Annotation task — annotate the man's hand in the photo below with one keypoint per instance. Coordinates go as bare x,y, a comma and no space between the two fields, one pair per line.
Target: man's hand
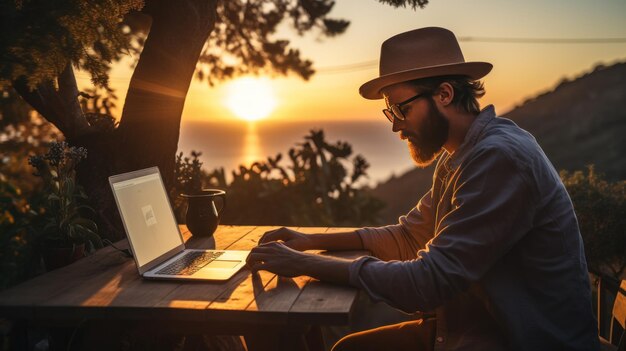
279,252
291,238
277,258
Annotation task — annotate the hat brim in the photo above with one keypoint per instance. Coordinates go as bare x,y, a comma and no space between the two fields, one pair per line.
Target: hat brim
475,70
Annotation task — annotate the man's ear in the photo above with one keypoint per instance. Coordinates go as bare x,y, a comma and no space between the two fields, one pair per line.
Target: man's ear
444,94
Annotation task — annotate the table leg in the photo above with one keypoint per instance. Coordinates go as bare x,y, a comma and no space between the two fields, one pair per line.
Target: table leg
307,339
314,339
17,335
275,341
61,338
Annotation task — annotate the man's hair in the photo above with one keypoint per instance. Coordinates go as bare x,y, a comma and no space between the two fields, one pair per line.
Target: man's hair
467,91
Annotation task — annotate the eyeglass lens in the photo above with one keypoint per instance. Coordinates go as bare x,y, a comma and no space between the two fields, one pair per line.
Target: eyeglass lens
395,111
388,114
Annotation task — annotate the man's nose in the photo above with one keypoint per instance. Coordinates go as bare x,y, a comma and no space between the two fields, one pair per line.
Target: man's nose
395,126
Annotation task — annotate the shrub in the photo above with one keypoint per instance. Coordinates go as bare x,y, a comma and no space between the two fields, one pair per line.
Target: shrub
601,210
188,179
65,222
15,236
316,189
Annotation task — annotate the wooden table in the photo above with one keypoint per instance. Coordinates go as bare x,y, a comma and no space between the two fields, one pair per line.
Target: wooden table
271,312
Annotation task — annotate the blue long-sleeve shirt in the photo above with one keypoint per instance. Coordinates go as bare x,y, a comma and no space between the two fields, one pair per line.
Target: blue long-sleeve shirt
493,248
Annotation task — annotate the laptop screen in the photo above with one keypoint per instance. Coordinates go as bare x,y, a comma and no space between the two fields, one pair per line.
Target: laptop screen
147,215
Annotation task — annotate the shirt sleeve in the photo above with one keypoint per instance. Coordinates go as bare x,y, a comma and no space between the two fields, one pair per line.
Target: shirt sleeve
492,209
402,241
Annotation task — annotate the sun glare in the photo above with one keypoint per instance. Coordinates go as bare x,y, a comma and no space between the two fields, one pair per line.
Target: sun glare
251,99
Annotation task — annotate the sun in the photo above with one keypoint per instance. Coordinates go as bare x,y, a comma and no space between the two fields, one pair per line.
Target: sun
251,99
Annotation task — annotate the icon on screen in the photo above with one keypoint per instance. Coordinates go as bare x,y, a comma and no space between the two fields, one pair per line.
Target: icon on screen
148,215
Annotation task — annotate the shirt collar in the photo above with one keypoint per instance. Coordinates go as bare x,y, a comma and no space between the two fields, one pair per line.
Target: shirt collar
475,131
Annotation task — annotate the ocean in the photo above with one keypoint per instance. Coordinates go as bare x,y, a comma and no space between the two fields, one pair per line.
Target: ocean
230,144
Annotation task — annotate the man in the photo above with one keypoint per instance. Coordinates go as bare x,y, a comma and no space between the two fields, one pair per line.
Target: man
493,248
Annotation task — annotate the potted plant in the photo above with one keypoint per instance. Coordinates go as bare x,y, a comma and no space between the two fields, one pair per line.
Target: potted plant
65,234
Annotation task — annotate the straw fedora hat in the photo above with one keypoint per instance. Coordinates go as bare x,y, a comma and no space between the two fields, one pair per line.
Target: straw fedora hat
421,53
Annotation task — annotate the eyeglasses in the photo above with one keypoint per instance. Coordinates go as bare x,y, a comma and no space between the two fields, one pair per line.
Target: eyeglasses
395,111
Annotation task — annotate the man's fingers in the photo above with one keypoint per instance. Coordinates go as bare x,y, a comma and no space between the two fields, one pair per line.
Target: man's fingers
274,235
255,257
256,266
267,236
268,247
265,257
256,261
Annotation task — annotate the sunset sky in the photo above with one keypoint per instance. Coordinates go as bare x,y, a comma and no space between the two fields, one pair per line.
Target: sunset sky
521,70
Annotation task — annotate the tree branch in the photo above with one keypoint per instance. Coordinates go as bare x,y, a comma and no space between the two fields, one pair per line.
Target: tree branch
38,99
68,98
59,107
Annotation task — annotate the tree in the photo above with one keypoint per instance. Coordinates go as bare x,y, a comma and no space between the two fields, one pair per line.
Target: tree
42,42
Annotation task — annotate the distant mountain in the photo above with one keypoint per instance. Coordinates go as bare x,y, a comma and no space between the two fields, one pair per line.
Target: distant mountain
580,122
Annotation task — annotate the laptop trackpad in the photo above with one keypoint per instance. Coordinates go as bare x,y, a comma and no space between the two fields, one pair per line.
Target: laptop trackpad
222,264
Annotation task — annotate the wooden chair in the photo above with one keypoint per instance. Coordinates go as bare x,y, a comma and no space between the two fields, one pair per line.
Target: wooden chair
607,289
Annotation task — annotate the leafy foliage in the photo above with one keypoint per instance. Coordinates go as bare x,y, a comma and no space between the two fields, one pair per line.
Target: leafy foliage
15,236
64,222
22,197
315,189
40,38
23,132
13,110
188,173
600,207
403,3
188,179
97,105
242,42
51,34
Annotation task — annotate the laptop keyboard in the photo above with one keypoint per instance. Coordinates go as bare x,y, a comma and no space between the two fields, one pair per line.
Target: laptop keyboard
189,263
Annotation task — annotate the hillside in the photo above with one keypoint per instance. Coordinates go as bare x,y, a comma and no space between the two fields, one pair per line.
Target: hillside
580,122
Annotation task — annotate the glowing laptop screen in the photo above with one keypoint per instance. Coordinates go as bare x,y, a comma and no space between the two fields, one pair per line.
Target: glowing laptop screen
148,217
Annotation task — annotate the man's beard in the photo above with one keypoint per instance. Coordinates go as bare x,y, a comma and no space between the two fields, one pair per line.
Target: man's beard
433,133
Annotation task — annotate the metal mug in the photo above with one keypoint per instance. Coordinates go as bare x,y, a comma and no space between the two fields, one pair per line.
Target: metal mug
203,215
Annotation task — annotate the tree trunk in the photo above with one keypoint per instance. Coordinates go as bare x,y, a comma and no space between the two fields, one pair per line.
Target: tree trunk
150,125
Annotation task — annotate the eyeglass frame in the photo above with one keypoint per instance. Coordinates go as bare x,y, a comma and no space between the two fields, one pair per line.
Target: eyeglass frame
398,114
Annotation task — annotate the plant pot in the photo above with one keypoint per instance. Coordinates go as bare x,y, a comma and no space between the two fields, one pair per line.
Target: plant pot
57,257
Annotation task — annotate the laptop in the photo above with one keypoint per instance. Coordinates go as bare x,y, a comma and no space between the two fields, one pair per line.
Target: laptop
155,239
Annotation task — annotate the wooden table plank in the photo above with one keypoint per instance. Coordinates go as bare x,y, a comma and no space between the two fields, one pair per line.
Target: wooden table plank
122,295
189,300
251,239
122,287
106,285
281,292
295,296
230,304
100,285
242,304
322,303
224,237
24,298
